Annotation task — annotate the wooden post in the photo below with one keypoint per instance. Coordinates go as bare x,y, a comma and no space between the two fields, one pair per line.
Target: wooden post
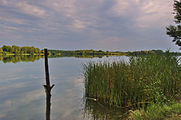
47,87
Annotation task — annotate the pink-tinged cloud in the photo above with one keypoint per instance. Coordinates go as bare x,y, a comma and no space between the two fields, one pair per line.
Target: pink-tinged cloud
10,28
30,9
155,13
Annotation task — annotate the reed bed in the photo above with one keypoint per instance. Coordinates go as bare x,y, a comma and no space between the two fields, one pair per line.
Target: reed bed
140,81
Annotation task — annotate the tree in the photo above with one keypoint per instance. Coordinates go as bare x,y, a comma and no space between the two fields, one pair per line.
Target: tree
1,50
15,49
7,48
172,30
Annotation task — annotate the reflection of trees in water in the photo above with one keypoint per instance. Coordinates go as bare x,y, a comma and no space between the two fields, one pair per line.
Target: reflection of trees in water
20,58
32,58
99,111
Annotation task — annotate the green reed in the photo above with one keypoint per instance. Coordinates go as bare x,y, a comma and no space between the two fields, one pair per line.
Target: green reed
142,80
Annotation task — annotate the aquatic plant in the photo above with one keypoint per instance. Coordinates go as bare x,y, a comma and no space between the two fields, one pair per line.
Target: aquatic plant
142,80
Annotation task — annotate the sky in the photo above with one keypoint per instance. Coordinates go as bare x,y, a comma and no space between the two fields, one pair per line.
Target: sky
124,25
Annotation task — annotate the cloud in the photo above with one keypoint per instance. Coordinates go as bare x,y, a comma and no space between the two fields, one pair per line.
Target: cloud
120,7
24,7
31,9
4,2
10,19
143,14
14,86
154,13
31,96
79,24
10,28
70,21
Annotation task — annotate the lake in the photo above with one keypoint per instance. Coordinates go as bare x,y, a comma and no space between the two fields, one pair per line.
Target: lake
22,95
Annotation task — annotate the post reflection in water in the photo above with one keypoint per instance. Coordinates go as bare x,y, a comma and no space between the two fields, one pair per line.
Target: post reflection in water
47,87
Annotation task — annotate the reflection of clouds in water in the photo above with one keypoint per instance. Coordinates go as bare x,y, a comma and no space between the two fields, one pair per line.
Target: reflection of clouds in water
66,105
22,90
7,107
16,77
31,96
79,82
20,102
66,108
13,77
2,115
10,74
76,81
12,86
25,98
11,70
8,103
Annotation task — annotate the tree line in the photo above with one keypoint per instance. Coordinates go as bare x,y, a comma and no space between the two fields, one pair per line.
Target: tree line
84,53
26,50
16,50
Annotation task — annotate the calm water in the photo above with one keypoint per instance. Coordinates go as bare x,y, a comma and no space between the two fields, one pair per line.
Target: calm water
22,96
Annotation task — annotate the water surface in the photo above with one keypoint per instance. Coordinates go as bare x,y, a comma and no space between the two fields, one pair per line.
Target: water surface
22,96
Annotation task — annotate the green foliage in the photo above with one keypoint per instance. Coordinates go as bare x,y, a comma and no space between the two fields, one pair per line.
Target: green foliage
1,50
7,48
175,31
145,79
16,50
100,53
84,53
135,53
157,112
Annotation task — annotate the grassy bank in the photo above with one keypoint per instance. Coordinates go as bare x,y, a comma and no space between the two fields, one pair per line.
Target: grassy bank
151,79
157,112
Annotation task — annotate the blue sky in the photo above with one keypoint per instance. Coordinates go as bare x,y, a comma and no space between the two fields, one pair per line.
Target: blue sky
124,25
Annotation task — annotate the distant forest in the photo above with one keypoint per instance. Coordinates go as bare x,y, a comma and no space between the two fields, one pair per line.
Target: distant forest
26,50
16,50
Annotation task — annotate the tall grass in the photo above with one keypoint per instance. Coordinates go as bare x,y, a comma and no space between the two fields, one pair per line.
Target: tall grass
142,80
157,112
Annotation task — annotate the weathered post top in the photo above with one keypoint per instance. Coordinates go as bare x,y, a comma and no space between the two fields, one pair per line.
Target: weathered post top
45,51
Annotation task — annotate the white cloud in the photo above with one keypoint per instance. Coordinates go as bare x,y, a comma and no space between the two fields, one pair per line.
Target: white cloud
79,24
136,1
120,7
77,14
4,2
18,85
31,9
10,28
11,19
154,13
24,7
31,96
144,14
